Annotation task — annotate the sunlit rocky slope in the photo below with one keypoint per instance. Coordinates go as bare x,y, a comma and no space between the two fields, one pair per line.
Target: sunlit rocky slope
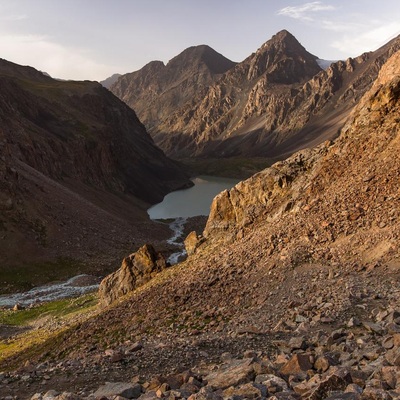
297,272
276,101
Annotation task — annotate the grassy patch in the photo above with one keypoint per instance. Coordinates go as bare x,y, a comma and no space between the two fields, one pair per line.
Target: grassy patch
24,277
241,168
42,337
57,308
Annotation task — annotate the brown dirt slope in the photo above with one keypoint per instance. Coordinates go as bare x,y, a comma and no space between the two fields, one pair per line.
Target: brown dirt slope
302,246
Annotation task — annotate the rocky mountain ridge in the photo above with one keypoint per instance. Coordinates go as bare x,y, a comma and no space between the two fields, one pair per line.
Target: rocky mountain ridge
292,293
75,162
108,82
272,104
156,90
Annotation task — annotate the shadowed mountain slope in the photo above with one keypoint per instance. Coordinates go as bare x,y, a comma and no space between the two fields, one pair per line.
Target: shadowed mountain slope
73,158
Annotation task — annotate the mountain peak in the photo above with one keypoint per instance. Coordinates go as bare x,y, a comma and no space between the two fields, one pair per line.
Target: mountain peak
284,59
285,40
202,54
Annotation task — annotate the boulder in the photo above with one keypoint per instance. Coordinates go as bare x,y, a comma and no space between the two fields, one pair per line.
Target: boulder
192,241
128,390
336,379
136,270
297,364
232,374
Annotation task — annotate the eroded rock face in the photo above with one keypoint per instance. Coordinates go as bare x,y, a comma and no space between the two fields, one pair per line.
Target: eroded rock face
136,270
270,192
192,241
323,190
273,103
157,90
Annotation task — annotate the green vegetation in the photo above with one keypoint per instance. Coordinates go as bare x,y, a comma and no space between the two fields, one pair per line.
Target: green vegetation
241,168
24,277
42,327
57,308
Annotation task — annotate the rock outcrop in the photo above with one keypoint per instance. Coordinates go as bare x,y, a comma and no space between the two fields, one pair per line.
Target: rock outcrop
191,242
274,103
330,191
136,270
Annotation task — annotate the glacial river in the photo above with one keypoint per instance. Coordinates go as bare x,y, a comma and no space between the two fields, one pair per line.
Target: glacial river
177,206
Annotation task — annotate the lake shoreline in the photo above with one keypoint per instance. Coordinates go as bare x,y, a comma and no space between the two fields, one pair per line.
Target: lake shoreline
192,201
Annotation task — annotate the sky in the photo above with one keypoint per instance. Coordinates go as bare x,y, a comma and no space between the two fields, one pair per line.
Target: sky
93,39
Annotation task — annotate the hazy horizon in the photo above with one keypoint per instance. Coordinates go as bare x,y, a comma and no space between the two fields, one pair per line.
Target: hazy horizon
93,40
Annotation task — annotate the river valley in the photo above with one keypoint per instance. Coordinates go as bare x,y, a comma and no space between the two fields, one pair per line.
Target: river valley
177,207
192,202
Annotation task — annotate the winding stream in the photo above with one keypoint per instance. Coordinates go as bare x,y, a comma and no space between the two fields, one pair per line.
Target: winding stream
186,203
176,239
73,287
177,205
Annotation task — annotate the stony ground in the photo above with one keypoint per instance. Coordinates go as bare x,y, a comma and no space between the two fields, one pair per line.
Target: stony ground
292,294
340,339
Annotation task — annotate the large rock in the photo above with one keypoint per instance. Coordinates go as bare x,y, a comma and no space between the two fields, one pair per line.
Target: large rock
232,374
136,270
127,390
297,364
192,241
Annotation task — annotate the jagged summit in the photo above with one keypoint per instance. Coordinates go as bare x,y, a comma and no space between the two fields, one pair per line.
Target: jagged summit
201,54
277,101
157,90
284,59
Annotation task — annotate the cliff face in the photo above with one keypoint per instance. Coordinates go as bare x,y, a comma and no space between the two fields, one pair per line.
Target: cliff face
72,157
157,90
275,102
318,200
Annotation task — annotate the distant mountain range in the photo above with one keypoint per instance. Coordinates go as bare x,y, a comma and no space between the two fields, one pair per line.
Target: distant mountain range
273,103
107,83
156,91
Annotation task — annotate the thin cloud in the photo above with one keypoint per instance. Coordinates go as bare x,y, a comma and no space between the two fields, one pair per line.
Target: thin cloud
20,17
305,11
59,61
354,45
340,27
